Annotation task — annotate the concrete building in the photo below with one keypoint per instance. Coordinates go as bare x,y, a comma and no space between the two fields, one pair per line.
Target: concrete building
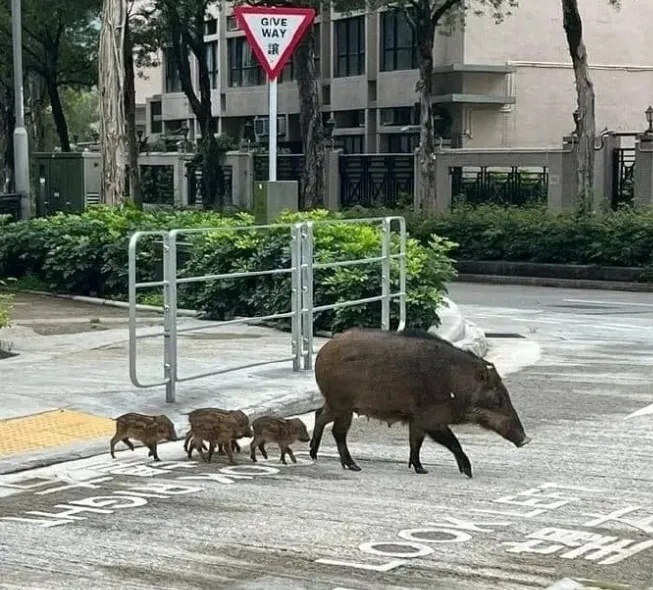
496,85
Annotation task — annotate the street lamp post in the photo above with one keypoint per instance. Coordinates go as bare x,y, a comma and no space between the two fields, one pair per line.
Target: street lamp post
21,145
649,119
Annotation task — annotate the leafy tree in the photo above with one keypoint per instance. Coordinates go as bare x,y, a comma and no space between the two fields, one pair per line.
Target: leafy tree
586,121
137,21
426,17
60,46
81,113
177,26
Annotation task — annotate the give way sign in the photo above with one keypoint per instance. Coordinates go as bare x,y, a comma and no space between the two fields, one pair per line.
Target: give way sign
273,33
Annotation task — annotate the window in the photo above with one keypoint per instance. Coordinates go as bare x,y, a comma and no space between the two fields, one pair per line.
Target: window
156,125
352,144
173,81
350,47
398,44
211,26
244,69
212,62
403,143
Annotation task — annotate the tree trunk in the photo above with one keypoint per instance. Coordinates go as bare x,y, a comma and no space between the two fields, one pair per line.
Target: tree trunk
427,194
586,126
112,105
8,127
58,115
310,120
182,44
130,116
35,94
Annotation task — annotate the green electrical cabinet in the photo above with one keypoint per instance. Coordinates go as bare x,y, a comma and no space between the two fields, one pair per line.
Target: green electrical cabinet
65,181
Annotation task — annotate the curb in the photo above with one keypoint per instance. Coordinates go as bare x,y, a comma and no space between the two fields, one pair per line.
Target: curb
283,407
108,302
557,283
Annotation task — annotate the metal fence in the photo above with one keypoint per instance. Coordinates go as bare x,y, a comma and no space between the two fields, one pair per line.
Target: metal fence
301,240
10,204
506,186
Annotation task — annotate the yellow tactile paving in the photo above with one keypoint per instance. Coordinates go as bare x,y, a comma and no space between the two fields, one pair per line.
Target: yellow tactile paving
51,429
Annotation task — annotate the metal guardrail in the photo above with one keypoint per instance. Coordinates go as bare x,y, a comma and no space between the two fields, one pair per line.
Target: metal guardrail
302,264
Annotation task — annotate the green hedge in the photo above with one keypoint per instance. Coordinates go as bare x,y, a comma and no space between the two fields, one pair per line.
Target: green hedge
532,234
87,254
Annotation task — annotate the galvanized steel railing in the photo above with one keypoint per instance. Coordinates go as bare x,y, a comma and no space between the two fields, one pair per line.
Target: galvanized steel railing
302,264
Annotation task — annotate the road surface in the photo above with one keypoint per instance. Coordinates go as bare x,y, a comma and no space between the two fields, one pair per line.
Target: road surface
576,503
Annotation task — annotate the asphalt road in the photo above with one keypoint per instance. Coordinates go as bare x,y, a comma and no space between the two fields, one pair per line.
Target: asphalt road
575,503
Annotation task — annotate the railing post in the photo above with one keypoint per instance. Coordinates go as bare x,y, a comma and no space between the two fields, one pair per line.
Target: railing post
385,274
172,269
296,296
169,320
307,293
131,289
402,273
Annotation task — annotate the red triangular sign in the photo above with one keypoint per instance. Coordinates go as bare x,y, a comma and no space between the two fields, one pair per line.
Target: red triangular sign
273,33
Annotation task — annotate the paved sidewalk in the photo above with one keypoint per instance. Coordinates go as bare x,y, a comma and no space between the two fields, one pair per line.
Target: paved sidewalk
75,377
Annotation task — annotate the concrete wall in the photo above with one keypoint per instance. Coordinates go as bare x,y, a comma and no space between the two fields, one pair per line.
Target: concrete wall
622,70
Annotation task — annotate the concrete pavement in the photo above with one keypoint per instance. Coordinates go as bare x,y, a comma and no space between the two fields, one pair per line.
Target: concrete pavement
572,509
72,370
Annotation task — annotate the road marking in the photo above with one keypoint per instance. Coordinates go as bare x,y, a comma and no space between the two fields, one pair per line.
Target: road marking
566,584
643,412
597,302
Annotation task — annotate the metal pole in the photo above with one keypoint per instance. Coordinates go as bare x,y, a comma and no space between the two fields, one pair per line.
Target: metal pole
172,301
402,274
307,293
272,130
295,252
168,329
385,275
21,144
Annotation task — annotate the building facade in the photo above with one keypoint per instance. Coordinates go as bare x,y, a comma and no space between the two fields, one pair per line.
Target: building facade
495,85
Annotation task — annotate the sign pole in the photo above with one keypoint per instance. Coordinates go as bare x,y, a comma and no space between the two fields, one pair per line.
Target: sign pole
272,130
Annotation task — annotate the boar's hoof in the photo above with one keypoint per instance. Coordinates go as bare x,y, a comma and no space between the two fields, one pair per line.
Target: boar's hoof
464,465
351,466
421,470
312,453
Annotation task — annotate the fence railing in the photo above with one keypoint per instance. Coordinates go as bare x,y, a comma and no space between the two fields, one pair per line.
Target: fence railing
10,204
301,241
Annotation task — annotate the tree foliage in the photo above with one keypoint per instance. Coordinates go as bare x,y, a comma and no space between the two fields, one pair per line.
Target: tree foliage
60,39
426,18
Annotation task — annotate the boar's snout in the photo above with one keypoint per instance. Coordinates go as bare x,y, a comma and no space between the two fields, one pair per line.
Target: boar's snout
524,441
248,432
304,437
172,436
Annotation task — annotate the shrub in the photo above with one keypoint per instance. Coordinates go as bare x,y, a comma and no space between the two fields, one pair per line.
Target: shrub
88,254
6,306
533,234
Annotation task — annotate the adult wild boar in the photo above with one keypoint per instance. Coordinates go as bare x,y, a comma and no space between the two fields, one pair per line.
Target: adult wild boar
411,377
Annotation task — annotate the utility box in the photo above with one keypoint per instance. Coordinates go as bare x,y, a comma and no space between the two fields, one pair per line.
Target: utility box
65,181
271,198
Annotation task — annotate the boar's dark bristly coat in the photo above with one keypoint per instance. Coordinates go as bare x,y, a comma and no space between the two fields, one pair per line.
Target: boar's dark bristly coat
415,378
281,431
150,430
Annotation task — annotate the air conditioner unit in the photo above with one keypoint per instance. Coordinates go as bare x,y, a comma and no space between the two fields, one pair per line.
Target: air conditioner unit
232,24
262,126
